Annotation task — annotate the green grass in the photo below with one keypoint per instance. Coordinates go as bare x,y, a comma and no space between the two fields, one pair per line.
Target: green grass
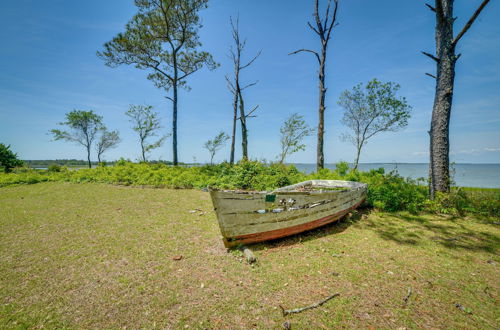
101,256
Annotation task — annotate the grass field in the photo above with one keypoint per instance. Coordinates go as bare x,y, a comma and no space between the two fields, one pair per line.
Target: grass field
102,256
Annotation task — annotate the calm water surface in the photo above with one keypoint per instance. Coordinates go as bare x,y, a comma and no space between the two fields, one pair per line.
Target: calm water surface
466,175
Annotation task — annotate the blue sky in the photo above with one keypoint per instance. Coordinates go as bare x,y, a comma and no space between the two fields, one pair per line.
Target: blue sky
49,66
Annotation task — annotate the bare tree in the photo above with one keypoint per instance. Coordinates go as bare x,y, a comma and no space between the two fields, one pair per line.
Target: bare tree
106,141
371,109
214,145
293,131
146,123
323,28
445,58
236,89
162,38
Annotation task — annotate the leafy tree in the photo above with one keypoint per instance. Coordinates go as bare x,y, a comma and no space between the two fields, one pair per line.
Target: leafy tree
214,145
146,123
107,140
323,28
371,109
293,131
83,126
445,59
8,159
163,39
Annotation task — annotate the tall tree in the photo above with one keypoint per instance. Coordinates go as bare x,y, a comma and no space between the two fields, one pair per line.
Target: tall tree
146,123
163,39
214,145
8,159
237,90
371,109
106,140
323,28
83,129
445,58
293,131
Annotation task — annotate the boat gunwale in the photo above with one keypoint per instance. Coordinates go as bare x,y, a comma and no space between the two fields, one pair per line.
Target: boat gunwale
289,190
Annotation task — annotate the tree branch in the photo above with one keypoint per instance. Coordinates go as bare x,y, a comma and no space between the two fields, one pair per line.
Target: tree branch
249,85
430,7
312,28
470,22
306,50
251,61
431,75
431,56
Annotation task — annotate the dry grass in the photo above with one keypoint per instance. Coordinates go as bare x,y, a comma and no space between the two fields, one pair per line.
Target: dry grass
100,256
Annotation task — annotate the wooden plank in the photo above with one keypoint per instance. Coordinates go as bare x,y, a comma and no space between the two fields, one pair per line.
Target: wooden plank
303,217
274,234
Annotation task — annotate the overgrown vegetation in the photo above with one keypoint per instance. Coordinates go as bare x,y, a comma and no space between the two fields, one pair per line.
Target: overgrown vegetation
386,191
96,256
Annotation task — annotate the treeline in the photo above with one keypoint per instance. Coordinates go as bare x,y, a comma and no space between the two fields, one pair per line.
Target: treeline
81,162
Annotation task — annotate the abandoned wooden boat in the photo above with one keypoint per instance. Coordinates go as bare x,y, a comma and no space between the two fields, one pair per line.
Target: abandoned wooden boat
247,217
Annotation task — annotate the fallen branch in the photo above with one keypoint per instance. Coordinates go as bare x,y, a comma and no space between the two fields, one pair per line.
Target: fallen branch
407,296
463,309
286,312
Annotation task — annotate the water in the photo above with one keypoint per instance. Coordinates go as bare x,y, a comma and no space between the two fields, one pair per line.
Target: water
466,175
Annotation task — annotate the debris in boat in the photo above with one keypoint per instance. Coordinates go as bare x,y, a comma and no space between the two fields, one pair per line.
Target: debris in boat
177,258
286,312
407,296
249,256
287,325
463,309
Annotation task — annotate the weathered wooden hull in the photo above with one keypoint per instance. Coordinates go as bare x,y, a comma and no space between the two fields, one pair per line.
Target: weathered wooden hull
251,217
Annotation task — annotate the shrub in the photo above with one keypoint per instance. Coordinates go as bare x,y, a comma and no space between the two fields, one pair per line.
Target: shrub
8,159
54,168
387,192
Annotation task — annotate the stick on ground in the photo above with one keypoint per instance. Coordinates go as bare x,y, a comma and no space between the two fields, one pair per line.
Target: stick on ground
301,309
407,296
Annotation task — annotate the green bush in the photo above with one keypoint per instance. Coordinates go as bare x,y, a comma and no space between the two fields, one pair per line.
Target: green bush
387,192
8,159
54,168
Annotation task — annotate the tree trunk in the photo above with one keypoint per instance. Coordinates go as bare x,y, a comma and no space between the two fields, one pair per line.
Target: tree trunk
88,157
320,160
244,131
174,120
143,151
233,135
445,78
357,157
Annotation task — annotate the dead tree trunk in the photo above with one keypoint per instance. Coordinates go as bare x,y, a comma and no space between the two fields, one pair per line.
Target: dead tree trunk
233,135
244,130
323,29
439,167
236,90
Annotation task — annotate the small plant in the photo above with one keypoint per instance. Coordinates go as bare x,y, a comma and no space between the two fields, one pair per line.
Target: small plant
216,144
342,168
54,168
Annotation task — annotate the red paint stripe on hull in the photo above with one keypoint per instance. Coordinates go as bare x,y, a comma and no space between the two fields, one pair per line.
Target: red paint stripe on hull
283,232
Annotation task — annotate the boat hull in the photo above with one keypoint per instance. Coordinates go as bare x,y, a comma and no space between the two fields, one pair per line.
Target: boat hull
252,217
